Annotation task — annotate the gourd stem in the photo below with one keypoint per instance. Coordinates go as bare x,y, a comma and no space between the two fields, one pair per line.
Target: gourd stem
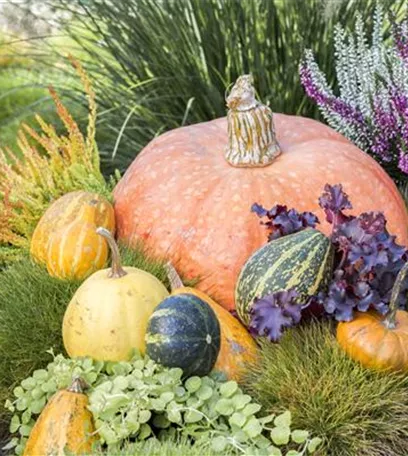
174,278
117,270
389,321
78,385
251,131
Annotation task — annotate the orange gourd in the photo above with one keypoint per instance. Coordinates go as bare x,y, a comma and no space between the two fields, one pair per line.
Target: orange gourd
64,426
238,349
65,239
188,194
379,342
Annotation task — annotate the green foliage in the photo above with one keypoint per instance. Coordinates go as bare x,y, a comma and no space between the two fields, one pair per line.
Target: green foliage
159,65
140,399
355,411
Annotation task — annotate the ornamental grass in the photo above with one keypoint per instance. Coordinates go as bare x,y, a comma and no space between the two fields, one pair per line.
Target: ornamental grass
355,411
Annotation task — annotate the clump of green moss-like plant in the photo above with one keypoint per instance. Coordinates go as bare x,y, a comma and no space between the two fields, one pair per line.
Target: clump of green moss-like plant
354,410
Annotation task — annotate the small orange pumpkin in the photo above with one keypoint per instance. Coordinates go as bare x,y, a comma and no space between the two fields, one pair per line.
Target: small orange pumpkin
379,342
65,239
238,348
64,424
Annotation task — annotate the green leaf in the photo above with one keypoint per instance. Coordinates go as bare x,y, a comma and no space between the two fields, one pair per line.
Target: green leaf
40,374
237,419
313,444
144,416
224,407
193,416
167,396
193,384
253,428
293,453
38,405
262,442
132,417
18,391
280,435
299,436
251,409
158,404
22,403
26,416
14,424
204,393
228,389
161,422
174,416
144,432
241,400
9,406
49,386
219,444
120,383
87,364
37,393
284,419
25,430
274,451
29,383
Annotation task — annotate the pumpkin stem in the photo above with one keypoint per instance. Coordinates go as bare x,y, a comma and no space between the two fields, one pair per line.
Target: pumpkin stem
174,278
251,131
78,385
389,321
117,270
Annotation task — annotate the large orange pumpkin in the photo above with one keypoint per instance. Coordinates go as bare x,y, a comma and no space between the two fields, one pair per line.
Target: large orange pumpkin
189,192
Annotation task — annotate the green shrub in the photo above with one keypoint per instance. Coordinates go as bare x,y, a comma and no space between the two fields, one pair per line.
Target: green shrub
355,411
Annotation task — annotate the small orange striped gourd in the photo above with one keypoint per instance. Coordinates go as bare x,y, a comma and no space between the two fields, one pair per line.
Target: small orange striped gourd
65,238
65,426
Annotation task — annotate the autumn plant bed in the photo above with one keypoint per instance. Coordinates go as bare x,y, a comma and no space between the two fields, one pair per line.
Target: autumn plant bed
241,289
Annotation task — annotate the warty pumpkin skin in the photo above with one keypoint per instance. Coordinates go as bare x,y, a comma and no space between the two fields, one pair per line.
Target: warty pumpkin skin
107,317
186,202
64,424
65,239
376,341
238,348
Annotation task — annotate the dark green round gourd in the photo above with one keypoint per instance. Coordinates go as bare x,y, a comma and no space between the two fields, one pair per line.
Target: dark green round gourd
302,261
184,332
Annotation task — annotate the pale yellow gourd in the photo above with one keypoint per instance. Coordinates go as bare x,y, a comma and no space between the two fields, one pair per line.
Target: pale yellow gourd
107,317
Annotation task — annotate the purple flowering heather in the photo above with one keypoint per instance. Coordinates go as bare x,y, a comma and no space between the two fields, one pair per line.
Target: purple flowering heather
371,108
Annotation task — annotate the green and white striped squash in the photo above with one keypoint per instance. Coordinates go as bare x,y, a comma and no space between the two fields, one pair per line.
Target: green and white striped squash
183,331
302,261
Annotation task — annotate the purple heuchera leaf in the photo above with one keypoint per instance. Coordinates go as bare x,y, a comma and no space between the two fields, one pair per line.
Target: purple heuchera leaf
333,201
272,313
283,221
370,259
